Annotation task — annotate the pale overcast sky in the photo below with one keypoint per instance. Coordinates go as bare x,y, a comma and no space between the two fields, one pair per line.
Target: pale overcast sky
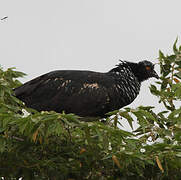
44,35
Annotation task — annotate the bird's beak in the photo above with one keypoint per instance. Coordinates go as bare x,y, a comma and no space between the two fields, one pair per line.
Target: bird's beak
154,74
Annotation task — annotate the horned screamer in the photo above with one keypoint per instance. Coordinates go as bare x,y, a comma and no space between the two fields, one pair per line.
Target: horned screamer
86,93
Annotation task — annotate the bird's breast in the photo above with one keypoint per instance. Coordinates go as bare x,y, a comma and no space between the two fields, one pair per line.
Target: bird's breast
123,92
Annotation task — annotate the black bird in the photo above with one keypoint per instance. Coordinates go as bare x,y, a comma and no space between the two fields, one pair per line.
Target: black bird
86,93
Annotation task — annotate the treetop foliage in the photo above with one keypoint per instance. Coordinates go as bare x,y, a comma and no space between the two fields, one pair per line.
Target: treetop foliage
50,145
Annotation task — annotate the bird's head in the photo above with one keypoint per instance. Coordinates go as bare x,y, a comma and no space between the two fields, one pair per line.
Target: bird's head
145,70
142,70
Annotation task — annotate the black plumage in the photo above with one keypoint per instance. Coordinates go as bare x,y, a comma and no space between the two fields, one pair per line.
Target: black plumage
86,93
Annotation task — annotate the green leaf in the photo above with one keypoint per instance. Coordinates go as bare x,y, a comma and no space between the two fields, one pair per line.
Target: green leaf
127,117
178,74
112,112
171,58
161,56
175,50
178,154
154,91
175,113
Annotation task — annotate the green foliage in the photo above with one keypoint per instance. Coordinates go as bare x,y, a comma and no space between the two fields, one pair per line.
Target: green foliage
50,145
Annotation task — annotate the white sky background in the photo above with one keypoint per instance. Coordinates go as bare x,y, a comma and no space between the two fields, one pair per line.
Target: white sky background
44,35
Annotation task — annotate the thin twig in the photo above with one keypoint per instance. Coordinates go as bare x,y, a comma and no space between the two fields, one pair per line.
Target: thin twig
17,138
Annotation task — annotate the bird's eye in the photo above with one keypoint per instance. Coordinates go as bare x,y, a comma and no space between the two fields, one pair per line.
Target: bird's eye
148,68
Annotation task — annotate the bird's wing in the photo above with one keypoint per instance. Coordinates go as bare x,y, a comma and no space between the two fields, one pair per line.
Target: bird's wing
59,80
77,92
28,87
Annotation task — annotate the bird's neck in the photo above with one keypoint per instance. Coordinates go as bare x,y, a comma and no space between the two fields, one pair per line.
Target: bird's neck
135,68
137,71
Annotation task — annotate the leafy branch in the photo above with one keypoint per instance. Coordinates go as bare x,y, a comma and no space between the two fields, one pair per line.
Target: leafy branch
50,145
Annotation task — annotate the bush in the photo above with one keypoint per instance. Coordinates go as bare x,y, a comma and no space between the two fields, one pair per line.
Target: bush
50,145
